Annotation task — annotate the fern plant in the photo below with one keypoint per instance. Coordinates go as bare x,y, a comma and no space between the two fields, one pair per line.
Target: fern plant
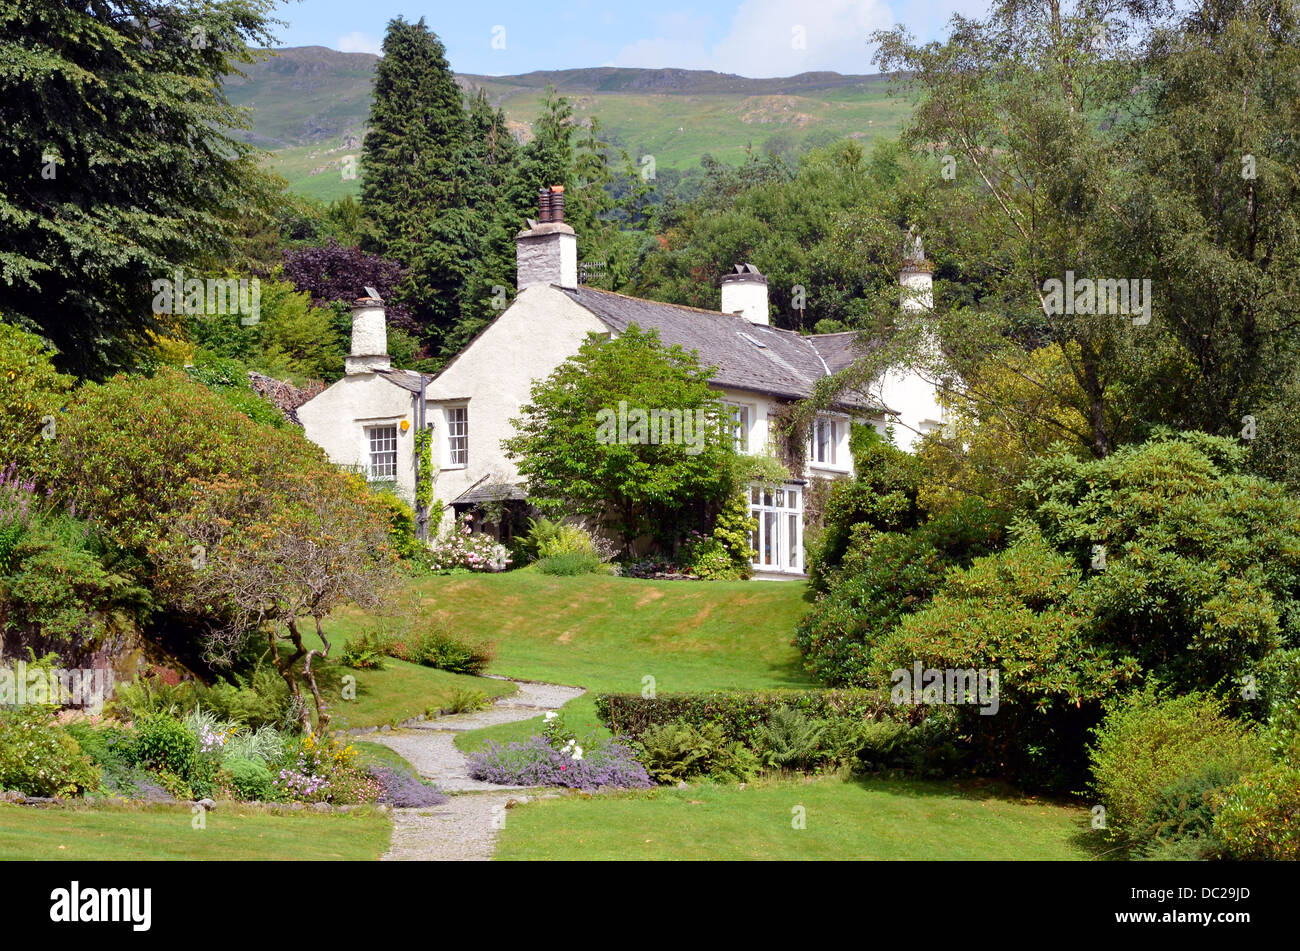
790,739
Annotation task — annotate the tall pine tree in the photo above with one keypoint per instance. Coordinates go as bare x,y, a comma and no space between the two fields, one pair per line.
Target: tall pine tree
412,165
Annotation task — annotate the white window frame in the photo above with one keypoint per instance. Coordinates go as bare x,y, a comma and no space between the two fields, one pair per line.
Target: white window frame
455,432
778,537
742,421
377,445
838,457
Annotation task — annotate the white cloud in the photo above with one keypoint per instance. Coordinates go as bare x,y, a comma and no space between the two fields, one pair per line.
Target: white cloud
358,43
784,37
679,42
769,38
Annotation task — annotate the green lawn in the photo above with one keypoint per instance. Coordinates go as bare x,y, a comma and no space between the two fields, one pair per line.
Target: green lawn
843,819
401,691
609,634
232,833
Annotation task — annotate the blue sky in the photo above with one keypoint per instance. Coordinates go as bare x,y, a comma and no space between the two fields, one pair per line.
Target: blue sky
749,37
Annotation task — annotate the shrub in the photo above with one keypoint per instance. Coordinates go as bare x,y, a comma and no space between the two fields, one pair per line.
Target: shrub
250,778
30,391
462,547
464,701
880,498
885,576
1185,810
740,714
58,595
320,769
111,749
401,524
537,763
732,532
1260,815
40,758
790,739
677,752
1202,561
568,565
437,647
367,651
257,699
567,540
1146,745
164,744
706,557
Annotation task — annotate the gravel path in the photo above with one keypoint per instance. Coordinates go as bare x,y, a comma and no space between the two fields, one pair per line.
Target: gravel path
466,827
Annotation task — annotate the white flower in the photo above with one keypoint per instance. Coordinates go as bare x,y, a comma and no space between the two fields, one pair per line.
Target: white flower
551,715
577,752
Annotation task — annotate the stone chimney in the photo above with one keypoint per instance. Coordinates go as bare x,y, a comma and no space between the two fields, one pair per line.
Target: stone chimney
369,337
917,292
744,293
547,252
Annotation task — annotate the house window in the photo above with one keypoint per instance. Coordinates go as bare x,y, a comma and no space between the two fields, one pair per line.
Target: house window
740,421
383,451
458,436
777,538
825,440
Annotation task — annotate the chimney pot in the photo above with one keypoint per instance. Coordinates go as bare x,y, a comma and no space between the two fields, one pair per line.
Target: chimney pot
547,251
744,293
369,338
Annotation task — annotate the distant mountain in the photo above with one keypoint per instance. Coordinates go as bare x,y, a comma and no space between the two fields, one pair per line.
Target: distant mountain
309,105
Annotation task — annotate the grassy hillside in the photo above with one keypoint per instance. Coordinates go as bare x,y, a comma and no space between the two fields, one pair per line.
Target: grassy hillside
309,106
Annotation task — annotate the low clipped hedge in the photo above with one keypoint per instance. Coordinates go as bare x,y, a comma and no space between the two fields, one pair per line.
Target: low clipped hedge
741,713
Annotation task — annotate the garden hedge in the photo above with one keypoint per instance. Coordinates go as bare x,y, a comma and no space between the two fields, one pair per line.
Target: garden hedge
741,713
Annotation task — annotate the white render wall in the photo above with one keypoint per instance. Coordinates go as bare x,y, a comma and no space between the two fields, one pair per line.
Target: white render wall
493,377
336,421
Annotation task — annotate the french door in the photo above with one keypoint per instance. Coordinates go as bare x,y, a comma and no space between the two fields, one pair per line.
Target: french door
777,539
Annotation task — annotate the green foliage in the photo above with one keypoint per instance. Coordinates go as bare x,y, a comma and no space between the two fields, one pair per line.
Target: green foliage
40,758
251,779
551,540
822,226
733,531
679,752
1184,810
1147,745
146,176
435,646
790,739
706,557
568,446
882,577
464,700
30,391
56,592
1257,817
880,498
163,743
401,523
366,651
1202,561
425,476
571,563
740,714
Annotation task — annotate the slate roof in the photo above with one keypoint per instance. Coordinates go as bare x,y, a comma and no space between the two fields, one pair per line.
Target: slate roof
406,379
748,356
491,492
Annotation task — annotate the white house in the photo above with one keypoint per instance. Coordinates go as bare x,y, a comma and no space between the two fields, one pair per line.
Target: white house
369,418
